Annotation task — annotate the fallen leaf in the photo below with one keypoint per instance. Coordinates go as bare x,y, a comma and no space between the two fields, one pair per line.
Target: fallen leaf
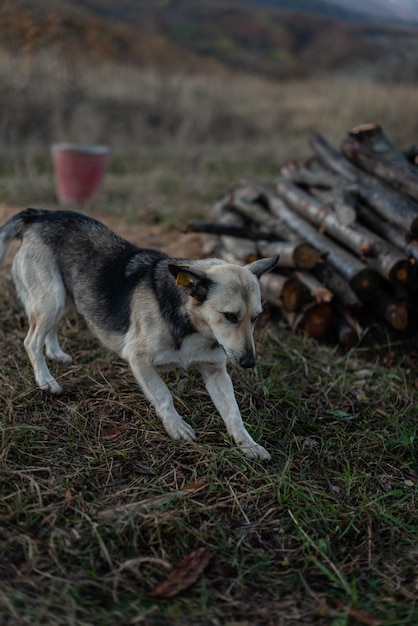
196,486
113,431
183,576
69,496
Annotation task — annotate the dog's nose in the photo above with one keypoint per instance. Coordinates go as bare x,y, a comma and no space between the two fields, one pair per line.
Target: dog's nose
247,361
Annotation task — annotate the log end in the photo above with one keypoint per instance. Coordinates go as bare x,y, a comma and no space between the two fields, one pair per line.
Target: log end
365,129
292,295
281,291
317,320
347,333
402,273
396,315
365,284
306,256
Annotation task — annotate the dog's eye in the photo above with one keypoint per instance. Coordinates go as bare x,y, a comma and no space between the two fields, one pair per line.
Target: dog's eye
231,317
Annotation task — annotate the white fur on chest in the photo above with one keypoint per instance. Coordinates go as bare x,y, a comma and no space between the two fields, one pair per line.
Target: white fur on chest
194,350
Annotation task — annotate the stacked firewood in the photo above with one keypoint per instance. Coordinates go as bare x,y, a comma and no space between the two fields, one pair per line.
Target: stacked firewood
345,224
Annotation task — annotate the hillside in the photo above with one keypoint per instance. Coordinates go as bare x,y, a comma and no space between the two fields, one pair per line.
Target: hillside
185,35
401,12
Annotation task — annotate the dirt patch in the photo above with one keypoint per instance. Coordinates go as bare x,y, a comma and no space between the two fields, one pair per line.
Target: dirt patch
169,240
145,235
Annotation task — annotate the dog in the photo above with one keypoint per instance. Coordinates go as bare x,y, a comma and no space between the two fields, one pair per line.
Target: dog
152,310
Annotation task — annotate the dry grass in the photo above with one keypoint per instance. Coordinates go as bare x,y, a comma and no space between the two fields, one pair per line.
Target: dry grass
98,504
48,97
177,142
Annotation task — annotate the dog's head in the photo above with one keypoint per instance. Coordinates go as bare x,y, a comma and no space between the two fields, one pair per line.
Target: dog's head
225,302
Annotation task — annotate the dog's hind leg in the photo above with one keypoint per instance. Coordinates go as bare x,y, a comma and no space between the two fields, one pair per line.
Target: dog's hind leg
39,328
220,388
43,295
157,392
53,349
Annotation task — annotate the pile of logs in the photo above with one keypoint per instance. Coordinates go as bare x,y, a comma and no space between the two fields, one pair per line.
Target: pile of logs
345,224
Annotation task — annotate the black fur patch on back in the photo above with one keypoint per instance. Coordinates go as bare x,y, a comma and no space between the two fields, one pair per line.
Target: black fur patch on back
100,271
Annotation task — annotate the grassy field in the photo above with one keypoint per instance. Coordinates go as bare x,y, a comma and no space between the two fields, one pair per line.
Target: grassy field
177,141
97,505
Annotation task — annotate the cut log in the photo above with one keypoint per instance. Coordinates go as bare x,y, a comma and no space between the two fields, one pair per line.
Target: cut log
396,208
230,230
256,213
342,201
316,289
299,255
332,188
315,320
281,291
398,176
324,217
372,137
394,267
393,312
241,247
250,191
363,280
390,262
297,224
346,328
244,250
386,230
331,158
383,257
338,286
307,176
303,253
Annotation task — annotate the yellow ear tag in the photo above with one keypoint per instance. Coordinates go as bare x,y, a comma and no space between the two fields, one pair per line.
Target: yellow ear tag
183,279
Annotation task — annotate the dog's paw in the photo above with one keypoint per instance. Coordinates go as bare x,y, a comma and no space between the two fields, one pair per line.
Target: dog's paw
179,429
51,387
61,357
255,452
250,448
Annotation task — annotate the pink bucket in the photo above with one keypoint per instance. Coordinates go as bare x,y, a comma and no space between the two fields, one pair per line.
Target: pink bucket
79,171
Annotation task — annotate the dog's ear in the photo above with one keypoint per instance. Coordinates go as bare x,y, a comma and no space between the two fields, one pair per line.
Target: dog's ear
262,265
195,282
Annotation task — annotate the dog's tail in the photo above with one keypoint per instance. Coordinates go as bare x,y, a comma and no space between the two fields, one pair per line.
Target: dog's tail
14,228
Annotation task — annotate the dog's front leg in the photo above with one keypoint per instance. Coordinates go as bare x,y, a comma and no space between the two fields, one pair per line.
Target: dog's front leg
220,388
158,394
